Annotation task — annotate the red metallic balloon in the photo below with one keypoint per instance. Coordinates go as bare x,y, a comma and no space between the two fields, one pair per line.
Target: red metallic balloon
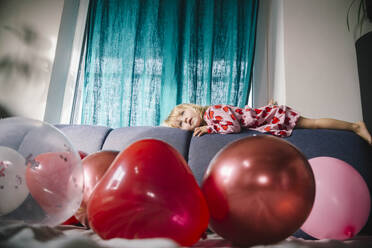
95,166
73,219
149,192
259,190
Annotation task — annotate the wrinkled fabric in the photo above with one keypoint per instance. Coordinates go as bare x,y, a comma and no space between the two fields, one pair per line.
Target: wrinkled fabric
37,236
273,119
14,235
144,57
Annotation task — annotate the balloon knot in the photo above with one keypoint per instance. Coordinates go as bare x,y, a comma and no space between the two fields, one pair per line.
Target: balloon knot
349,231
204,235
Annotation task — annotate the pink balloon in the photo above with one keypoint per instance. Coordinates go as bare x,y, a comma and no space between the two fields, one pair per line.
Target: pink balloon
342,200
51,181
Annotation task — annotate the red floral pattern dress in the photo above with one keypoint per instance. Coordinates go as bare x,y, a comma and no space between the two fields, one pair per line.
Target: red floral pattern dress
273,119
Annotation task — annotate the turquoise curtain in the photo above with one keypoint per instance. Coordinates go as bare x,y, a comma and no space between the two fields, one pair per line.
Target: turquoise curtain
143,57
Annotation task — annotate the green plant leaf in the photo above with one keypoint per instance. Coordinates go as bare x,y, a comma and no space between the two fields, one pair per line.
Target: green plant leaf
348,14
362,22
361,16
360,11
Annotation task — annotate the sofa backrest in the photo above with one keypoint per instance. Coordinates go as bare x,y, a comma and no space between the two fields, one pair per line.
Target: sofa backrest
343,145
121,138
86,138
90,139
199,151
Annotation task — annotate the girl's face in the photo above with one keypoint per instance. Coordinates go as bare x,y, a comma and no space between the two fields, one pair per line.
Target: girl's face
188,119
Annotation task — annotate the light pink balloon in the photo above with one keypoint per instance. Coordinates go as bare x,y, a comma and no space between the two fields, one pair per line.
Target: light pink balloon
342,200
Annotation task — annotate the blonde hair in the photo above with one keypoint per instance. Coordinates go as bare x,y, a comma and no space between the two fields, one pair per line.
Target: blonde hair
172,117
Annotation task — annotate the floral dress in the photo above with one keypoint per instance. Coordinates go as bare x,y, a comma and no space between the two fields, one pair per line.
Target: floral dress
273,119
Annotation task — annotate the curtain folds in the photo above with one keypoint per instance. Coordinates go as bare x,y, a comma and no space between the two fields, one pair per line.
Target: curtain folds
143,57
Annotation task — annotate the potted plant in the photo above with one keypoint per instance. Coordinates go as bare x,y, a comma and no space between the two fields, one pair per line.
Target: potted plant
363,47
364,13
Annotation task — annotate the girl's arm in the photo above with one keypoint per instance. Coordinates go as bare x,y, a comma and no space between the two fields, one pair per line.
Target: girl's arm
221,119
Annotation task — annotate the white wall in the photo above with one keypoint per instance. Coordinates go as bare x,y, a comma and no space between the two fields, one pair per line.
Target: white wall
311,60
28,36
305,56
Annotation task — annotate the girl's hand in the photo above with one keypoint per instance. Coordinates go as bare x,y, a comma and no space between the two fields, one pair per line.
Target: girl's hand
199,131
272,102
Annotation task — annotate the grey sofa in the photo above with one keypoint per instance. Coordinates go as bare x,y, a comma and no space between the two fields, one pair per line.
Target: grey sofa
198,151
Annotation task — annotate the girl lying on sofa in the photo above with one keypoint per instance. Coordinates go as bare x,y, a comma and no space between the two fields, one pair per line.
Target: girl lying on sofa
272,118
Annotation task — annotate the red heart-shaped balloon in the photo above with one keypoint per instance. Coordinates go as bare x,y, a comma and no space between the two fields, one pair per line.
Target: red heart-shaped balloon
149,192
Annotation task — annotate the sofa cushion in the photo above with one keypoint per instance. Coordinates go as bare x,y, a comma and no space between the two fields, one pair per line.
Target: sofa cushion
203,149
13,131
120,138
86,138
343,145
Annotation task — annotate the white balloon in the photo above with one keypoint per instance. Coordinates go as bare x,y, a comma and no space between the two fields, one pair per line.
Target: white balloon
13,187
